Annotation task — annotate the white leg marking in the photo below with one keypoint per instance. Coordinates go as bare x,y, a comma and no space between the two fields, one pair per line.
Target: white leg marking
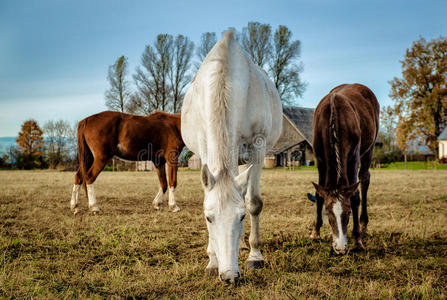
172,205
340,241
74,203
92,199
254,240
158,200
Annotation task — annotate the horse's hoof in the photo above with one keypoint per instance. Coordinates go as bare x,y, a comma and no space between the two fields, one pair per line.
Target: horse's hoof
95,210
359,246
364,231
75,211
254,264
156,207
174,208
315,236
211,271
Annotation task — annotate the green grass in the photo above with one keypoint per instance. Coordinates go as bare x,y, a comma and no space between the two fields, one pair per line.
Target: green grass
131,250
416,165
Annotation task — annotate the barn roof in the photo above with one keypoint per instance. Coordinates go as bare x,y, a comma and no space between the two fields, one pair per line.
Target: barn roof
443,135
297,127
302,119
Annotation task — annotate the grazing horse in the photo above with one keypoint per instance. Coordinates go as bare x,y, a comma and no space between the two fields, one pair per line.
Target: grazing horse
346,123
155,137
231,102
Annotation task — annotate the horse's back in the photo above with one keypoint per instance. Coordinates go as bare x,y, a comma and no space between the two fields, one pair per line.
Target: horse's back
263,100
126,135
358,108
103,123
252,104
361,97
255,104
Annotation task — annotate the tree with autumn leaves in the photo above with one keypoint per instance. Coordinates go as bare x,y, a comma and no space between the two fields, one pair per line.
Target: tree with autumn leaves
420,96
31,143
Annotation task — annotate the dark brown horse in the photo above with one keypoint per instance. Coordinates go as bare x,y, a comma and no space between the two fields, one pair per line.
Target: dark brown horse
346,123
155,137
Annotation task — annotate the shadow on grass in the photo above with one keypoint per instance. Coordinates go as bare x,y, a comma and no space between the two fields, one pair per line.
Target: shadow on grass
289,253
378,245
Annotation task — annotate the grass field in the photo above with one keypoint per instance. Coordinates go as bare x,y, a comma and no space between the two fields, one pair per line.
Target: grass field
131,250
416,165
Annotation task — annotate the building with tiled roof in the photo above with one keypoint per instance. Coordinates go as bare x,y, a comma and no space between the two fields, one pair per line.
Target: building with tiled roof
442,140
294,146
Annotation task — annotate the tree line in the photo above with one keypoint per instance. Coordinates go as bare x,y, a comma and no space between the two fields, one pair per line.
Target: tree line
52,146
169,63
417,117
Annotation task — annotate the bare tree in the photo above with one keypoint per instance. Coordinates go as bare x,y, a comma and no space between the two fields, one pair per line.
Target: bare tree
283,66
151,78
207,42
59,135
136,105
182,52
256,40
118,93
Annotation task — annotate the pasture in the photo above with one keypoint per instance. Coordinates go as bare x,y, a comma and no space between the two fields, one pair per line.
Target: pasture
132,250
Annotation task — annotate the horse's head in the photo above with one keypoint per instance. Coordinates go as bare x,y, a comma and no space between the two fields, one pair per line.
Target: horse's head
225,213
337,204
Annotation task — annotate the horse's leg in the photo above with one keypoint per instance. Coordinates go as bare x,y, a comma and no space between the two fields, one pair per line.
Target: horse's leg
212,267
320,202
243,243
172,175
74,203
161,172
98,164
355,202
364,176
254,206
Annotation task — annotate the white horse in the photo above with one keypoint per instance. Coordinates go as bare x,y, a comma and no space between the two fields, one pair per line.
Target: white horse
231,102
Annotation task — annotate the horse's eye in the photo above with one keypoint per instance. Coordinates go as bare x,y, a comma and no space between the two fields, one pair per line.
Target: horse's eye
242,218
208,219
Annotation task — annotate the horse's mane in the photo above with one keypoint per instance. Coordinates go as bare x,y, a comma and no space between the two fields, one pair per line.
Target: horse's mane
333,119
220,88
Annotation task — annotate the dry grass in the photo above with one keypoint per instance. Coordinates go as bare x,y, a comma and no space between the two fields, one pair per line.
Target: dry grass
131,250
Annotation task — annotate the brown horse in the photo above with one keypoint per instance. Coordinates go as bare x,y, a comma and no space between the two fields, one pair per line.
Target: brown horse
155,137
346,123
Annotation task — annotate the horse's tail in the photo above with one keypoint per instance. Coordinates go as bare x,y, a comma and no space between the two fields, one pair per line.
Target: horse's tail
85,155
333,119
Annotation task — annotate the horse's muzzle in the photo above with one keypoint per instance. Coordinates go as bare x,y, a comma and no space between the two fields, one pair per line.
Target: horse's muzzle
230,277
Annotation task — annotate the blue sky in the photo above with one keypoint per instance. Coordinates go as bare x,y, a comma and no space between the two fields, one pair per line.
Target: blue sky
54,54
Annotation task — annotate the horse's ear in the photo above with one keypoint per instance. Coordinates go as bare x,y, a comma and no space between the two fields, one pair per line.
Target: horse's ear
320,190
347,192
208,179
242,181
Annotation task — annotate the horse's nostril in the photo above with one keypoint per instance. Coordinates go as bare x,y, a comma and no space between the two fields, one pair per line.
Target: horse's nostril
340,251
229,278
